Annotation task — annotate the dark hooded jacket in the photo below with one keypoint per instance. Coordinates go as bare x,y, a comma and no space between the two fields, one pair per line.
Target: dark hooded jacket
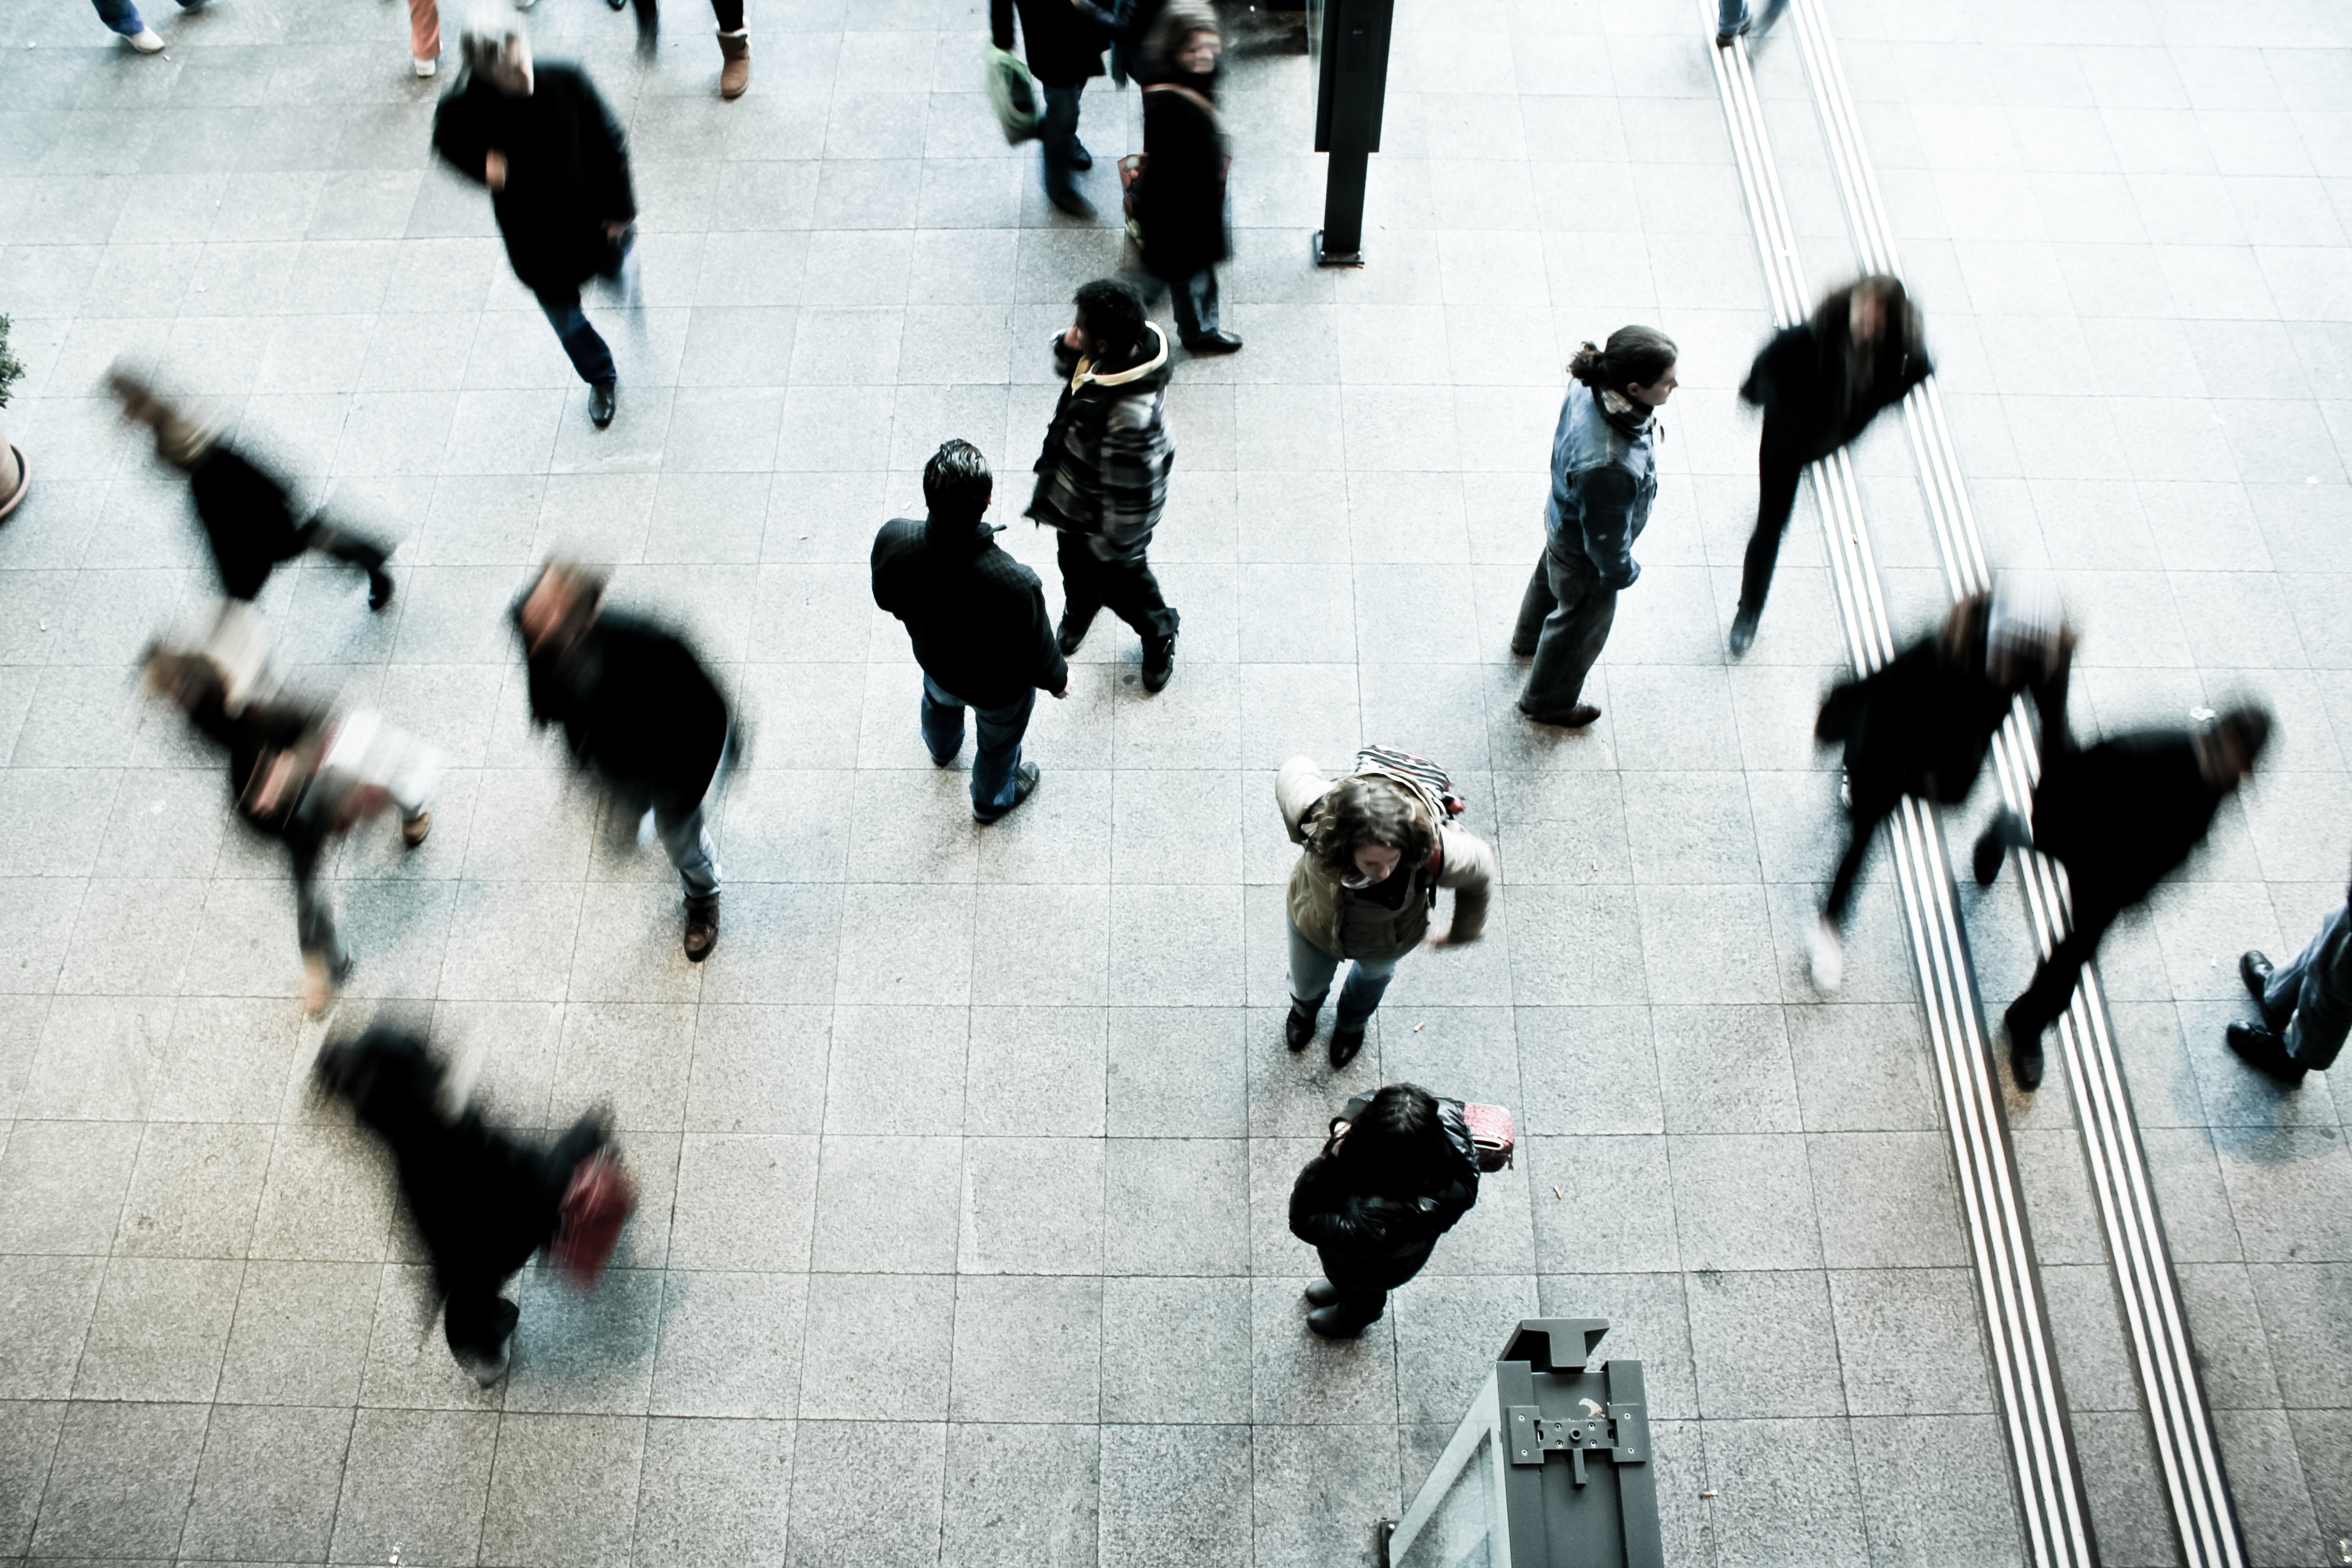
2123,814
1180,202
1376,1237
977,616
567,170
1805,381
636,705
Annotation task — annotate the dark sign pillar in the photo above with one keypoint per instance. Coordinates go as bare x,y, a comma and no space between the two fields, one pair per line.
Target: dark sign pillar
1349,39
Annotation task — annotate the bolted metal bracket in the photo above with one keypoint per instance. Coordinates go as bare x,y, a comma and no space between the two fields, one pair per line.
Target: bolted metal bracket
1620,1432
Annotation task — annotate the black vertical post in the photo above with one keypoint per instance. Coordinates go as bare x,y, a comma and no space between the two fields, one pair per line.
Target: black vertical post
1352,84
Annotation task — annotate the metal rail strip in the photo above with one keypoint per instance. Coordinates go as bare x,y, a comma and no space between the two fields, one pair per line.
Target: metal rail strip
2032,1400
2163,1355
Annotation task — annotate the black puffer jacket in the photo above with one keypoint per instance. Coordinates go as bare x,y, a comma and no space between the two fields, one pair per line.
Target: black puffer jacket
567,170
1063,42
635,706
2123,814
1179,203
249,518
1383,1237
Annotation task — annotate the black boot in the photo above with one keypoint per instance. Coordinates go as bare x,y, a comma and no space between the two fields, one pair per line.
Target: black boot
1322,1293
1345,1044
1159,662
1328,1322
2024,1045
1298,1031
2255,969
1071,633
2265,1052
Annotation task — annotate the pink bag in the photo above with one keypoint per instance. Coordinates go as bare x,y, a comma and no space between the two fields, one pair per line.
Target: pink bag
596,1204
1493,1133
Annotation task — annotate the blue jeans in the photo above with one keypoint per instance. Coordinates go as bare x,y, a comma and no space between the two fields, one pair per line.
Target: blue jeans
1059,132
1001,728
589,356
123,17
1311,970
2323,1014
1196,305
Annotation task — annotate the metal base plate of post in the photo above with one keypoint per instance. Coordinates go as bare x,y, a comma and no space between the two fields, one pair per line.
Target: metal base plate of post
1335,259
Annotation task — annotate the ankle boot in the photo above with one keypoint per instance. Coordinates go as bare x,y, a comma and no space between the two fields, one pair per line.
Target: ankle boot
736,74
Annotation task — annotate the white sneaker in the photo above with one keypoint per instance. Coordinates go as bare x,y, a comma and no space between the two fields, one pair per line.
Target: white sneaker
1828,956
147,41
426,67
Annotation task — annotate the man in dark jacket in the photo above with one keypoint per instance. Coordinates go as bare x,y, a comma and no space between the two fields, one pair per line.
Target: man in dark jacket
1820,382
248,516
979,622
639,713
1063,40
553,155
1924,722
2120,816
1102,476
2306,1008
482,1202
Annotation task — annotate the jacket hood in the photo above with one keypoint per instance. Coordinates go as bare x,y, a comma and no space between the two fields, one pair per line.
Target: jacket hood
1137,377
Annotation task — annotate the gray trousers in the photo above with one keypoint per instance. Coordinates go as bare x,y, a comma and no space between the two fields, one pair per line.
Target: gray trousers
2322,1013
1564,621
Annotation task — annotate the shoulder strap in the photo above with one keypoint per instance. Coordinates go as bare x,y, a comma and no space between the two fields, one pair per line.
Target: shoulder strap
1196,99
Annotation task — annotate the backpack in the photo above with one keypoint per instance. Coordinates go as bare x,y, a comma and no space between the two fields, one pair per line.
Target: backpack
1417,773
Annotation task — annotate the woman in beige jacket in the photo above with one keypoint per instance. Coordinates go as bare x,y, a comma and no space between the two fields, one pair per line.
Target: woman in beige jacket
1377,850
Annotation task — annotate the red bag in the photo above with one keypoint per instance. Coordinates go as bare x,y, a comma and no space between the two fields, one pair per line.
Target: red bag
596,1204
1493,1133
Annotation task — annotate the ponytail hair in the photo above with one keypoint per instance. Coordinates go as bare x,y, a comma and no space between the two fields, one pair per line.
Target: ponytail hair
1635,356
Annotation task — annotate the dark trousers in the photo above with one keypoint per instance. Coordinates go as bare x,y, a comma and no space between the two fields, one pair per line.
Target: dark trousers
2054,977
1364,1283
1195,299
1564,621
476,1320
1001,728
589,354
1861,825
1058,132
341,545
1779,470
729,14
314,914
1126,588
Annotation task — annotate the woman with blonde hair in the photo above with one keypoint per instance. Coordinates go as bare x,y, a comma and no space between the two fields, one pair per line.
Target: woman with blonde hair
1377,849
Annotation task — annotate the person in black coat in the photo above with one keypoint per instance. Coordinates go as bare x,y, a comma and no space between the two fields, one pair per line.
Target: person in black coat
1373,1203
280,790
640,714
249,515
482,1201
979,622
2120,816
1179,199
1923,722
1063,42
1820,384
541,139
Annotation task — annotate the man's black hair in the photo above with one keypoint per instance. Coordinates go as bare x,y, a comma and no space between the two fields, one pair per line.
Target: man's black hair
957,483
1114,314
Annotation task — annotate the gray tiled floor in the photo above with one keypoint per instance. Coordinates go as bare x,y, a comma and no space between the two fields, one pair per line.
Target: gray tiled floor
965,1157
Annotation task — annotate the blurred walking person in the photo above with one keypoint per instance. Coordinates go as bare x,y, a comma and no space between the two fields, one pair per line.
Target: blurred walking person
1604,475
2120,816
1923,723
482,1201
1102,476
1820,382
1180,198
248,514
557,166
1063,42
1374,1202
2306,1008
304,777
979,622
1376,847
734,40
640,714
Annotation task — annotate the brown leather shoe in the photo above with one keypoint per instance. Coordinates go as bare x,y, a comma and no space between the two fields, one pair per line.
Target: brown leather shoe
701,928
736,74
414,829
